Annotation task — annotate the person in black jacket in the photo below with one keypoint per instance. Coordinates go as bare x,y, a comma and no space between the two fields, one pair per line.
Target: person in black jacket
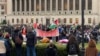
51,50
72,47
30,43
18,40
9,46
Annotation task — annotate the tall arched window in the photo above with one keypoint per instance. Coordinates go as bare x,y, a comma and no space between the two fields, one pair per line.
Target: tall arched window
18,5
76,4
59,4
32,20
70,20
26,20
37,5
12,20
23,5
77,21
89,20
22,21
89,4
48,5
43,5
71,4
17,20
54,5
65,20
32,5
65,4
36,20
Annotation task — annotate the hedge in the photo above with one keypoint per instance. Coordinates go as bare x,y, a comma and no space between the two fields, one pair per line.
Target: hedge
40,49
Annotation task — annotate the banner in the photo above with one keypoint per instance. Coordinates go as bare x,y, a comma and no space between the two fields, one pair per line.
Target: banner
50,33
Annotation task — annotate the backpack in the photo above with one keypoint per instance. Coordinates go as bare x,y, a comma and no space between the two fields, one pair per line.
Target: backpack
72,49
18,40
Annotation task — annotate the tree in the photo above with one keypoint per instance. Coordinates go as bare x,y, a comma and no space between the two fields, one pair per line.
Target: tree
4,22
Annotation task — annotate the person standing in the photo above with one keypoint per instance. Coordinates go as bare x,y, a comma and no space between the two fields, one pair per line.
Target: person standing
91,50
18,40
2,45
9,46
72,47
31,42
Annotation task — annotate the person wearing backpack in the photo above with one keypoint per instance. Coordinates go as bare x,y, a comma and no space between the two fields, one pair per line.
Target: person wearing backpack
91,50
18,40
9,45
31,42
72,47
51,50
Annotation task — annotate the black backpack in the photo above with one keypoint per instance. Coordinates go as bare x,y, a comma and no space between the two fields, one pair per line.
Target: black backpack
72,49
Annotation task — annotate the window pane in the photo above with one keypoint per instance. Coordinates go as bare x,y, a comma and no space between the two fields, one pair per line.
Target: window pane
31,20
89,20
77,21
13,5
59,4
89,4
54,5
37,5
70,20
13,20
27,5
48,5
71,4
32,5
36,20
23,5
64,20
42,5
65,4
77,5
18,5
17,20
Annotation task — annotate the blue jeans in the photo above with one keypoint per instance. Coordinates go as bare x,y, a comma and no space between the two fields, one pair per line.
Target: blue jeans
31,51
18,51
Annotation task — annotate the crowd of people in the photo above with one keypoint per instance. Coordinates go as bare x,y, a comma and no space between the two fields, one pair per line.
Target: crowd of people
72,33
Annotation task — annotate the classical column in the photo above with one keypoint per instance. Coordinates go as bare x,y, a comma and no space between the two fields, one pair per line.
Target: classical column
30,5
15,5
56,5
24,5
51,5
62,6
74,5
34,5
39,5
80,5
86,6
20,5
45,5
67,5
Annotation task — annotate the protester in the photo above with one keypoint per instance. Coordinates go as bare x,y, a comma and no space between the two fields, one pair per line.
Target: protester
18,40
9,46
91,50
72,47
51,50
31,42
2,45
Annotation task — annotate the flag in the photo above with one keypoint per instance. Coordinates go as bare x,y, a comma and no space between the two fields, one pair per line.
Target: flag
50,33
56,21
52,26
